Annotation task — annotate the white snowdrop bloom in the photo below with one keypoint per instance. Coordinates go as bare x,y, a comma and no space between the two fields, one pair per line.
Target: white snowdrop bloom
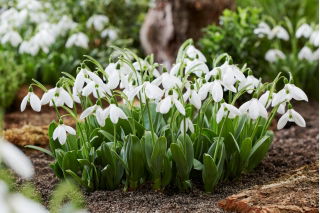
60,133
59,96
98,22
280,33
81,79
64,25
168,81
194,53
197,67
29,47
34,101
230,74
304,30
15,159
273,55
32,5
96,110
265,100
215,88
151,90
316,55
225,109
282,108
112,34
314,38
192,95
79,40
175,69
253,109
167,103
262,30
290,91
143,65
44,39
113,75
96,87
115,113
306,54
292,116
11,37
250,83
188,124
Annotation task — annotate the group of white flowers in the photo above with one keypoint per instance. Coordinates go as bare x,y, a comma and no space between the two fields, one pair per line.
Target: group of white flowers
33,26
188,81
306,31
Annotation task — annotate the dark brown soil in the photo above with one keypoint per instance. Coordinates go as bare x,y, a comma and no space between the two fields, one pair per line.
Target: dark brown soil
292,148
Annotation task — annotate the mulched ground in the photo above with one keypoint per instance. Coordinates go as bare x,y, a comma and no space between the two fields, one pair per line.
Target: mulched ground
292,148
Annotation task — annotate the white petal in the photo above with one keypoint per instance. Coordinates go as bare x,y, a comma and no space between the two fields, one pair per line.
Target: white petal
69,129
216,91
254,110
87,90
87,112
282,108
114,80
56,132
262,110
232,109
15,159
190,125
195,100
179,107
24,102
298,119
165,105
35,102
220,114
297,93
203,92
65,96
283,121
153,92
62,137
244,107
114,116
48,96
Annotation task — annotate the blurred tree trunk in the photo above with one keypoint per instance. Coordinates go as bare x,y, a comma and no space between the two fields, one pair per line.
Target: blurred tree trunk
171,22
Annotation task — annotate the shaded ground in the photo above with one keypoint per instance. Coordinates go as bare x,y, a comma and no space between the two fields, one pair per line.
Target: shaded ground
292,148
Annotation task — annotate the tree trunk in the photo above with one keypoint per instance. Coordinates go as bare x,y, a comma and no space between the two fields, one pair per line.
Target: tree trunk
171,22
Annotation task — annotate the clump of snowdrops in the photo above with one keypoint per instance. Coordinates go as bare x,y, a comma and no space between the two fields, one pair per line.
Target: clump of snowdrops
140,122
50,37
66,198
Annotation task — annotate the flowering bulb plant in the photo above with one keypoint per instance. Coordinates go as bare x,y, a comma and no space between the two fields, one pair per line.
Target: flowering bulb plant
267,45
48,37
140,122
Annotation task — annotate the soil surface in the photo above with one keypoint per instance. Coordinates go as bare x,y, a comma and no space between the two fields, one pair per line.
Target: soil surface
292,148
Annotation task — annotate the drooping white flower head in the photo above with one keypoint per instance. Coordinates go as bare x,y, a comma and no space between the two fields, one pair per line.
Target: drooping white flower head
192,95
197,67
150,90
253,109
98,22
262,30
167,103
265,100
273,55
188,124
15,159
60,133
306,54
168,81
59,96
304,30
34,101
11,37
314,38
115,113
250,83
290,91
112,34
194,53
215,88
96,87
96,110
78,40
292,116
225,109
280,33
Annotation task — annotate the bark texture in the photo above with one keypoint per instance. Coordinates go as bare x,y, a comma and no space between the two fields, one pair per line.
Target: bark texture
170,22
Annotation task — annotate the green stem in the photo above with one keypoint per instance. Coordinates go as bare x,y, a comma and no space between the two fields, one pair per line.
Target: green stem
115,136
150,121
1,120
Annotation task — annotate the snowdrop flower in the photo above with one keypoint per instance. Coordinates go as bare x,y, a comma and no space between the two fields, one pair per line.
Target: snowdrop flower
250,83
175,69
115,113
192,95
59,96
194,53
316,55
61,131
34,101
79,40
81,79
168,81
265,100
111,33
304,30
262,30
253,109
189,125
96,110
290,91
215,88
143,65
11,37
166,104
273,55
15,159
96,87
282,108
224,109
292,116
97,21
151,90
29,47
280,33
314,38
197,67
306,53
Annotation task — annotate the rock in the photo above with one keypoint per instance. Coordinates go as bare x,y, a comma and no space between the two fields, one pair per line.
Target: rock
295,192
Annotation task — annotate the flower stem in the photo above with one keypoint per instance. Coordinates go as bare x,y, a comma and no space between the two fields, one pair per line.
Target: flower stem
150,121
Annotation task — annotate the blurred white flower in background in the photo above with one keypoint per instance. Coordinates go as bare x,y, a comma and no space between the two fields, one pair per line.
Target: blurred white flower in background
79,40
11,37
306,53
34,101
304,30
314,38
98,22
262,30
112,34
280,33
273,55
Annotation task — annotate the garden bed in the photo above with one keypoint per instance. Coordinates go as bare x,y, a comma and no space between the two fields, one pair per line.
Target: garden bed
292,148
